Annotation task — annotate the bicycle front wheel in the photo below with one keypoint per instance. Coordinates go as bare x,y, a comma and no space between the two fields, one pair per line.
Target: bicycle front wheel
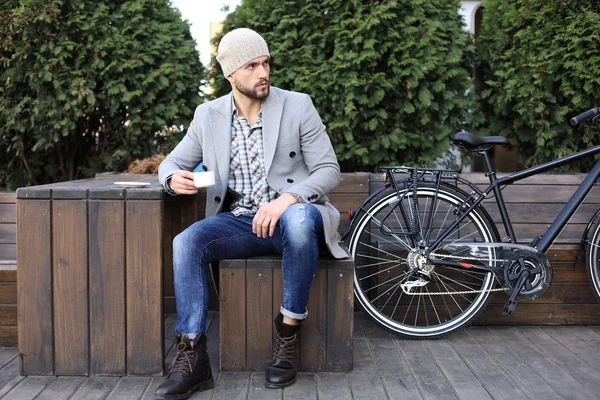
384,252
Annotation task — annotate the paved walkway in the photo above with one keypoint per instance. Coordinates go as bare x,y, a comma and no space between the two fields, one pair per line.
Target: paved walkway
561,362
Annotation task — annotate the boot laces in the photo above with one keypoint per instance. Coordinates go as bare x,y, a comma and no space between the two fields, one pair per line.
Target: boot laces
183,360
284,348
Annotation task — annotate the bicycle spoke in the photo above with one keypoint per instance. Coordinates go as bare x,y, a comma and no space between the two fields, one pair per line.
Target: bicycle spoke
379,272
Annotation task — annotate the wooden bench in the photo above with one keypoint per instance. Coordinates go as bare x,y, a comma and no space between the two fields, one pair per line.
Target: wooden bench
90,268
8,269
250,296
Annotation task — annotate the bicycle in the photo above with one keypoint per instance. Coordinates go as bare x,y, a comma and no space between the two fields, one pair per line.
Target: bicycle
427,254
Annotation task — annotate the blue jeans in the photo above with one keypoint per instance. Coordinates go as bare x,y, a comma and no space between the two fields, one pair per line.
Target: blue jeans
298,236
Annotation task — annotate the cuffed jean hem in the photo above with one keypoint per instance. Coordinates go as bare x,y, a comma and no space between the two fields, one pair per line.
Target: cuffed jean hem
293,315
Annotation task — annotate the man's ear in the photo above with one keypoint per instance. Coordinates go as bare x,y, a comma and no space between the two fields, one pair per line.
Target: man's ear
230,78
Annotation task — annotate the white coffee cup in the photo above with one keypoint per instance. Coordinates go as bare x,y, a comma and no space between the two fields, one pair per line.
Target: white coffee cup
204,179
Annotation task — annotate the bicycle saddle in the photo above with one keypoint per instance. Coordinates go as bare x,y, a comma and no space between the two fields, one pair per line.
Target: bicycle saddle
472,142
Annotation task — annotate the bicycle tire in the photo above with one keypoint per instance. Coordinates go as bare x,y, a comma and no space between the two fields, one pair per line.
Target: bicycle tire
380,266
593,261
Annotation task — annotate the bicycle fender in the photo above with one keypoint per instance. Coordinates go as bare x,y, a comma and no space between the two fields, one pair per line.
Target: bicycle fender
365,201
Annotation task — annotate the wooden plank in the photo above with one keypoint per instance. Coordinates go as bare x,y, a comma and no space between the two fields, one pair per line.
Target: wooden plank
36,338
333,386
8,233
277,292
562,382
340,305
70,287
170,332
353,182
7,354
8,251
366,386
8,197
460,376
541,314
212,339
9,377
537,213
585,333
171,227
345,201
8,335
259,284
30,387
61,388
431,380
232,386
233,315
396,374
313,340
567,337
107,287
539,179
305,388
532,383
587,376
497,381
151,388
8,293
557,293
129,388
363,361
568,272
144,287
8,314
96,388
8,272
258,391
8,213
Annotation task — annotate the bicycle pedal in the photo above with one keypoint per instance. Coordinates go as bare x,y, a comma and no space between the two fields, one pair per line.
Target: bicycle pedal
510,307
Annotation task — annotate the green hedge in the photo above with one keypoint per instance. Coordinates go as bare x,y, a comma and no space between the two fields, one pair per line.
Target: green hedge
86,85
389,78
540,63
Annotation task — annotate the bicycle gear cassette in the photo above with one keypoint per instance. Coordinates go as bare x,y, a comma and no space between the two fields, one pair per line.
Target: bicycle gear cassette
538,267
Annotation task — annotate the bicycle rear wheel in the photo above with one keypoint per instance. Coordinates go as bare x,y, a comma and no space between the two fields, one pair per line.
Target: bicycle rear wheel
384,253
593,261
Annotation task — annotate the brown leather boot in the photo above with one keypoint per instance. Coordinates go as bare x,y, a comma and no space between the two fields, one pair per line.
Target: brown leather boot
189,372
282,370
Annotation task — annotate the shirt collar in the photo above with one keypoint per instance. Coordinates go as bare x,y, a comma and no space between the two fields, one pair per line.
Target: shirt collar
234,110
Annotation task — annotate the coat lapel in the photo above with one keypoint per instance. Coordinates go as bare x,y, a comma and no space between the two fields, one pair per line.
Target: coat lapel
220,122
272,110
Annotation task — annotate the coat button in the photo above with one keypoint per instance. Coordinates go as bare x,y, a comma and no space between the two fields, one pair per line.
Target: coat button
292,154
217,199
204,168
290,181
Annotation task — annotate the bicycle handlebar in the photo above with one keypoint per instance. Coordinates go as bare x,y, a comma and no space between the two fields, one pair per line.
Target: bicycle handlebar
589,114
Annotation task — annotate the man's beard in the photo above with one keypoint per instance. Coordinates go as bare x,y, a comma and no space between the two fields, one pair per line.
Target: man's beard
253,93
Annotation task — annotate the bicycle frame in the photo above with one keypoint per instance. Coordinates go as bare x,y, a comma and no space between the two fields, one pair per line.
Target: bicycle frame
543,242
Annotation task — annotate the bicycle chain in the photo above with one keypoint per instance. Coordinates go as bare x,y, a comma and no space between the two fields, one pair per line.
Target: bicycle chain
462,291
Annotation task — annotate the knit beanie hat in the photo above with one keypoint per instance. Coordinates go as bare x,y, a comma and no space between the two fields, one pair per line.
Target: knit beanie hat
238,47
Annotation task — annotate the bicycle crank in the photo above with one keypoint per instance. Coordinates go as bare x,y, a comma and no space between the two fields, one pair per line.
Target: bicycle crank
523,272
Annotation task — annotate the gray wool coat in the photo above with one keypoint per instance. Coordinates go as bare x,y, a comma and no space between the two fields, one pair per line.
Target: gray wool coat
299,157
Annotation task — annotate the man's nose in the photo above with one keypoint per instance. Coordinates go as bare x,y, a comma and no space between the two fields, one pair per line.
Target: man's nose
263,71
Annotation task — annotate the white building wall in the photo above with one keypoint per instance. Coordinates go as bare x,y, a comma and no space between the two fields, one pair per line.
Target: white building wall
468,9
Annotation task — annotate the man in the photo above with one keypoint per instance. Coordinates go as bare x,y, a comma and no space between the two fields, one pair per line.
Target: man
274,166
